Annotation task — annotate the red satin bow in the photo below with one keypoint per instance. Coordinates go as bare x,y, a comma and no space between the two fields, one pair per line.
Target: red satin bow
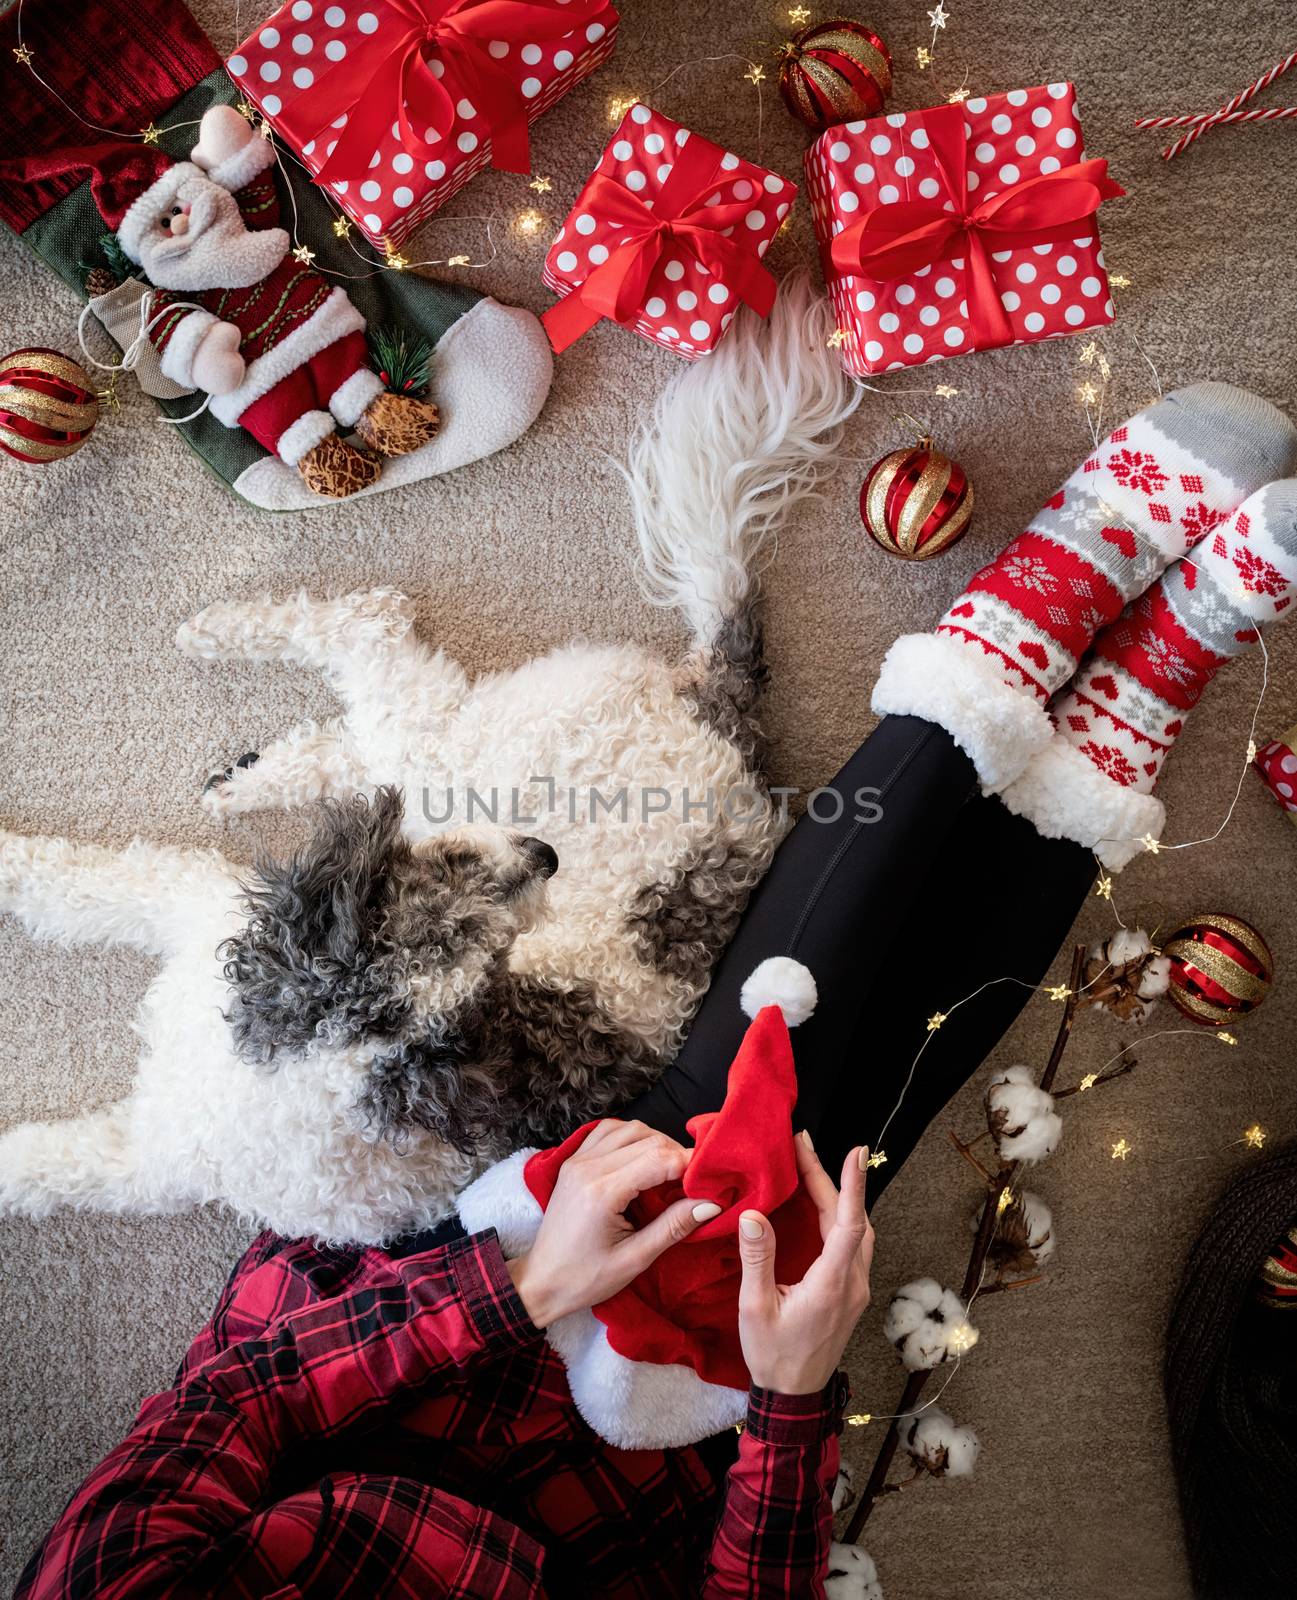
894,241
400,85
616,288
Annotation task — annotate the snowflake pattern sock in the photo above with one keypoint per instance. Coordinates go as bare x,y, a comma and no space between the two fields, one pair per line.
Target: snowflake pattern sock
1155,487
1147,671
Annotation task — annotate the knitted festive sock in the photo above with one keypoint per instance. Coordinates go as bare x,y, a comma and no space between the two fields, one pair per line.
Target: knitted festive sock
1147,671
1154,487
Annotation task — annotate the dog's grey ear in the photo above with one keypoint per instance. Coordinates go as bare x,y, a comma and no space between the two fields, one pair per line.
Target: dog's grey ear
443,1085
303,968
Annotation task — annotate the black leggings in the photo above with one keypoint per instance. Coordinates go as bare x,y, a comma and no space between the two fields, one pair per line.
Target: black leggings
922,890
936,891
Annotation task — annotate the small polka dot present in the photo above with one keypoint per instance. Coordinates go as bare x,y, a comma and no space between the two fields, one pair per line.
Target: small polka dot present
960,228
1277,764
666,238
394,105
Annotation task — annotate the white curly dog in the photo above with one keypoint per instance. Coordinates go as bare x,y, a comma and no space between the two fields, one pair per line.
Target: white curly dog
334,1045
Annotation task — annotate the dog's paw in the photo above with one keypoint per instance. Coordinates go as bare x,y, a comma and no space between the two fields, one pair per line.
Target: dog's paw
851,1574
216,788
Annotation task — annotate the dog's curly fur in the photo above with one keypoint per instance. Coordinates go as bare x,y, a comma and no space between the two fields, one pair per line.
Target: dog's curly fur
334,1044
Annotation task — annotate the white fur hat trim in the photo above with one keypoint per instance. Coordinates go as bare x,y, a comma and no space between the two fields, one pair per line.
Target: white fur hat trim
145,209
631,1404
780,981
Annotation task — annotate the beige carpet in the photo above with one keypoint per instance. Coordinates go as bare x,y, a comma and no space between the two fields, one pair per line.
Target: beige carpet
109,732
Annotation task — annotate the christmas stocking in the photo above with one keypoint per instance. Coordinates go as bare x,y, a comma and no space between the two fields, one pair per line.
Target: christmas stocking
183,240
1093,782
1151,490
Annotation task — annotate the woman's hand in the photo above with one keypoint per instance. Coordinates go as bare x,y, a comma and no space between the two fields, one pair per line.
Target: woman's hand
793,1336
586,1249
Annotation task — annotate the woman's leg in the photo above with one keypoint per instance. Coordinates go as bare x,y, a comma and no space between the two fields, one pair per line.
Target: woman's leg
866,903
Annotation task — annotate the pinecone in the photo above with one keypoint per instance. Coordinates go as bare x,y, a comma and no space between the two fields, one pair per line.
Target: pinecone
100,280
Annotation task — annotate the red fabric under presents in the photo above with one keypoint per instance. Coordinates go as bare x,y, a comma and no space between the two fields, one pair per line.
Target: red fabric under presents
684,1310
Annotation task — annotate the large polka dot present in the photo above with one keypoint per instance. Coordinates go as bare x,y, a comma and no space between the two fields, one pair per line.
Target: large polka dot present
393,105
960,228
1277,764
666,238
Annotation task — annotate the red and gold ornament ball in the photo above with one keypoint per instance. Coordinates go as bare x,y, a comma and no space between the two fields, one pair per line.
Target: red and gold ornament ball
1221,969
916,502
835,72
1276,1284
48,405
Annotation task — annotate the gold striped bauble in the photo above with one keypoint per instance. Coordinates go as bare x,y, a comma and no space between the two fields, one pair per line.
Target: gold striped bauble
47,405
1277,1281
916,502
835,72
1221,968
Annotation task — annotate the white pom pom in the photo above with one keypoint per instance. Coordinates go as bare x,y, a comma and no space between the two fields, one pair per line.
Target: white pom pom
780,981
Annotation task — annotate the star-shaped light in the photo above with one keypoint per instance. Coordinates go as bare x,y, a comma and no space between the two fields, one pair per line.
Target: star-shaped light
1151,844
530,220
797,15
23,55
924,57
859,1419
1089,1081
1105,370
1004,1202
938,18
947,391
1058,991
541,185
1119,280
341,227
151,134
247,110
935,1021
1088,352
1121,1150
1254,1137
1226,1038
837,338
265,130
1251,751
878,1159
1087,394
755,74
397,262
458,261
963,1336
620,104
304,254
1104,887
956,97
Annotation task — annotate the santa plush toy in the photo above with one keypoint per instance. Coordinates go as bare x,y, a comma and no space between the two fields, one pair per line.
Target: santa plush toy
236,312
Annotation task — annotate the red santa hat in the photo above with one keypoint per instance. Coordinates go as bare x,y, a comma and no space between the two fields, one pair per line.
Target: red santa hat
132,183
659,1365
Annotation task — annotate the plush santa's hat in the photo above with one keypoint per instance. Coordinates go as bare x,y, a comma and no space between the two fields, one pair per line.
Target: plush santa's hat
659,1365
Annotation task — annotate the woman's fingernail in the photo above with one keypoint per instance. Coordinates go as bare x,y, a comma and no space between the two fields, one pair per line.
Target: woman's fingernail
806,1139
863,1157
705,1210
751,1225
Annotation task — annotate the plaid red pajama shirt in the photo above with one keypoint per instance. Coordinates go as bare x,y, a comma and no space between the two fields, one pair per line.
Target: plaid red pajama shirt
353,1424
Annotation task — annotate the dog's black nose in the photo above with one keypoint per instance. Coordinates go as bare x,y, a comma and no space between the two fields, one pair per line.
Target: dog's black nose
542,856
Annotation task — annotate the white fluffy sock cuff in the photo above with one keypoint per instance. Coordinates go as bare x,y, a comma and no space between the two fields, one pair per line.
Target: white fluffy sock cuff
310,429
1064,796
350,400
949,682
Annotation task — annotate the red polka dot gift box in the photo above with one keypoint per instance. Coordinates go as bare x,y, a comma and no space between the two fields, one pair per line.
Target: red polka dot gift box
959,228
666,238
1277,764
394,105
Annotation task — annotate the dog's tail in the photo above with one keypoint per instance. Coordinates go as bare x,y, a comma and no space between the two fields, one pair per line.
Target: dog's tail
732,445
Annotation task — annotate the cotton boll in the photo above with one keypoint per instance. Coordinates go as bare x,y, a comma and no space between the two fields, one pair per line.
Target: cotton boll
1024,1233
851,1574
1021,1117
1127,944
928,1325
1125,974
1155,979
936,1442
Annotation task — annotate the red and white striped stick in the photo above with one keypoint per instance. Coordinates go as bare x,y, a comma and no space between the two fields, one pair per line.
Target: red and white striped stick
1202,122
